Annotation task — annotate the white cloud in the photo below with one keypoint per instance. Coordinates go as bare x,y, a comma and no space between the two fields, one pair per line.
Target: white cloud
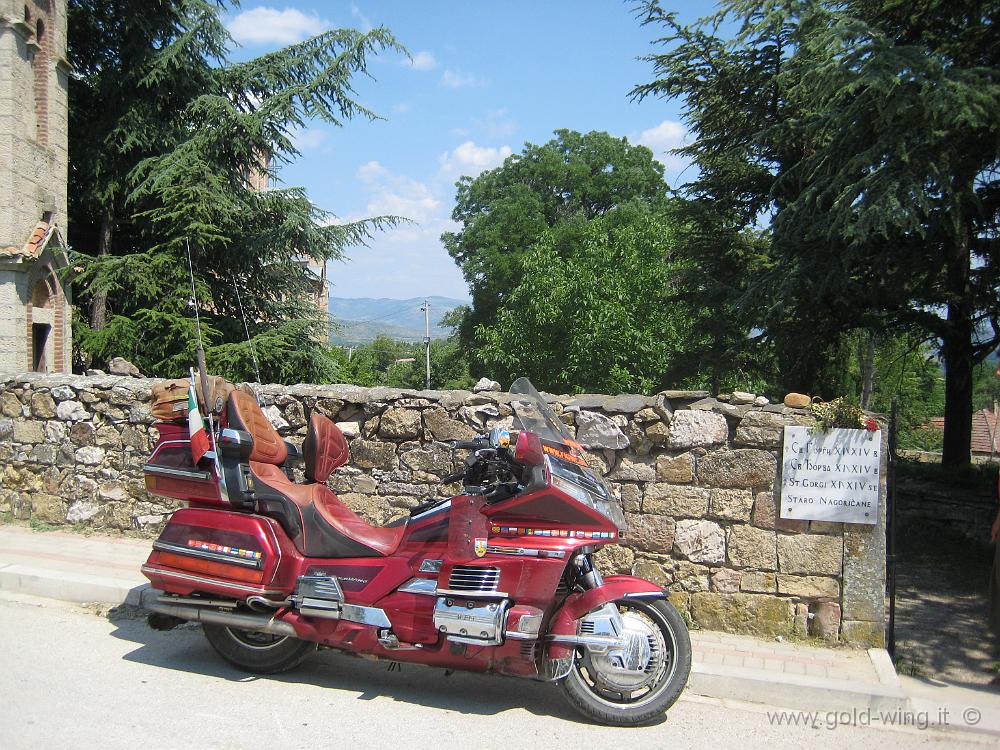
366,24
458,79
496,124
397,195
661,139
422,61
407,260
266,25
470,159
309,138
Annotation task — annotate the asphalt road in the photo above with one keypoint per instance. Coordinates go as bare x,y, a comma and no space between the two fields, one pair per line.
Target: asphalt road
73,679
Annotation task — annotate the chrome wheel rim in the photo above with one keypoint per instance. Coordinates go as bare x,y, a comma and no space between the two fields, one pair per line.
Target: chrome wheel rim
627,688
256,640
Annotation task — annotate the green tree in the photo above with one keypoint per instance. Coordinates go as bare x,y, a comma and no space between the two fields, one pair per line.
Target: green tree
170,142
593,314
566,182
401,364
904,367
987,385
378,363
867,132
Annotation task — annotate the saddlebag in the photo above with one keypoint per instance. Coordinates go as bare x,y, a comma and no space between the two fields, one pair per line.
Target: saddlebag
217,552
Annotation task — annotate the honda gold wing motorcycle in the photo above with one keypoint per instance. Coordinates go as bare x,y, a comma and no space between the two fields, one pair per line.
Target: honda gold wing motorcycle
500,578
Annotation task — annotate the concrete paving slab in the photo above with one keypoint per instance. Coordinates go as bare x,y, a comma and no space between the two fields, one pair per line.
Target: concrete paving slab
797,691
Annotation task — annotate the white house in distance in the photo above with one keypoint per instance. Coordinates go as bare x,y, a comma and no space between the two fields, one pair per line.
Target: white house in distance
35,306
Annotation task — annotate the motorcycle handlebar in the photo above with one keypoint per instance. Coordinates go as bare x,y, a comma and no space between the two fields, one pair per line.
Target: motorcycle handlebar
473,445
453,477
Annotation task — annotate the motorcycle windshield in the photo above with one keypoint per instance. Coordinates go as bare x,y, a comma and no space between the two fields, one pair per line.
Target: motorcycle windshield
571,474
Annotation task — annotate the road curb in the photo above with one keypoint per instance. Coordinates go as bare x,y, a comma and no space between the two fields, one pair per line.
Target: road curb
19,578
793,691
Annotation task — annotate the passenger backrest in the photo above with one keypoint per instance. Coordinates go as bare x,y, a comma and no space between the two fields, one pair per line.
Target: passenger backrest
245,414
325,448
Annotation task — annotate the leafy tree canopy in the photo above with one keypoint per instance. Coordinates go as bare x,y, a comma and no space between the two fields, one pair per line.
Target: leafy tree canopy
566,182
173,146
592,310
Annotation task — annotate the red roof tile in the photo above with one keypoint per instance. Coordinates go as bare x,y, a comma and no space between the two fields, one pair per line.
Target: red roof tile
36,242
984,428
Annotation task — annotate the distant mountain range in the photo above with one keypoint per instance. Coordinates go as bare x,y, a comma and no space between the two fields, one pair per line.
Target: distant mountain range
362,319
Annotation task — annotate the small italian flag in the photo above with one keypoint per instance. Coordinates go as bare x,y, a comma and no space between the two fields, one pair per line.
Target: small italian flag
196,426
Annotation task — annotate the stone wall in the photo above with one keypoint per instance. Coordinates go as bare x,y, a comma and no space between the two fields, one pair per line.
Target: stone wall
695,475
925,509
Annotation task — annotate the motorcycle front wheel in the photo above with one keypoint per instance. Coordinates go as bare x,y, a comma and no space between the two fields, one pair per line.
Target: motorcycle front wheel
608,694
260,653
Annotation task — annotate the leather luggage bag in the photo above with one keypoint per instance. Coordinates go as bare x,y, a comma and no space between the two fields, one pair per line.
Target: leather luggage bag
170,398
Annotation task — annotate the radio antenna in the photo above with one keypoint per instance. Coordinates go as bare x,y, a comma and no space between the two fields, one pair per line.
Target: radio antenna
202,369
246,327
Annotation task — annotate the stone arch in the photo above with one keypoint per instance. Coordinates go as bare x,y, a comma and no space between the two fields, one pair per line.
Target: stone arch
41,295
45,319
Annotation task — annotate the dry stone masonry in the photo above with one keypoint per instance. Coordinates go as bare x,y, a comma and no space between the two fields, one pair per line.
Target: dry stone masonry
697,477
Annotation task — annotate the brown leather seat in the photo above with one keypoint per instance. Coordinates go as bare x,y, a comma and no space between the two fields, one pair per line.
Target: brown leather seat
318,522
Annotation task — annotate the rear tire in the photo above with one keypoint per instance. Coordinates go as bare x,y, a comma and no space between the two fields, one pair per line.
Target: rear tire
588,692
259,653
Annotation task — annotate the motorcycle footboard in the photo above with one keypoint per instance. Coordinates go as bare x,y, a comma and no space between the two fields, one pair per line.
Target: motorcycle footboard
227,554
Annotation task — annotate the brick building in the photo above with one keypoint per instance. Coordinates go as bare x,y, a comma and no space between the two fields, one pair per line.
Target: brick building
35,307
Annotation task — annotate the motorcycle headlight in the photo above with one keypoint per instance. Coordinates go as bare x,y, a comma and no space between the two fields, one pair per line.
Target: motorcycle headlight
573,490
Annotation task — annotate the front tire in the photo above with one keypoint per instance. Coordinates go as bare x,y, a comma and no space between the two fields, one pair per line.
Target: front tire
259,653
634,698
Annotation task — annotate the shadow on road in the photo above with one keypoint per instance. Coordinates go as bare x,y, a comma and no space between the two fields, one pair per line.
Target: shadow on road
941,609
185,649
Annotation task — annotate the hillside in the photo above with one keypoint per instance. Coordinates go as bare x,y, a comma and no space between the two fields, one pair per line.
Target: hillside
362,319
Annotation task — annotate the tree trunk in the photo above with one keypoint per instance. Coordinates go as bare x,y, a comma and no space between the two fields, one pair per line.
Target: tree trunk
99,299
868,371
958,355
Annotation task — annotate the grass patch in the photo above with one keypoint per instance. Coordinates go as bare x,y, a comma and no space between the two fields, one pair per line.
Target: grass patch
36,525
909,665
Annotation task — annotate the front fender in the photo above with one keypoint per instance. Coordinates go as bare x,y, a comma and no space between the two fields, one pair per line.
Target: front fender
579,604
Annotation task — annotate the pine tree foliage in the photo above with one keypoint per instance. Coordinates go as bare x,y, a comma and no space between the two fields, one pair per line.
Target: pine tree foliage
867,132
168,140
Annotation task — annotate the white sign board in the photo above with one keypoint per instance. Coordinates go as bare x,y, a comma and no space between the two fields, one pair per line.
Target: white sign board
831,475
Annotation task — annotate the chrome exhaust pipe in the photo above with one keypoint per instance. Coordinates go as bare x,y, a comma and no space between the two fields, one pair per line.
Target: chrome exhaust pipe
263,604
256,623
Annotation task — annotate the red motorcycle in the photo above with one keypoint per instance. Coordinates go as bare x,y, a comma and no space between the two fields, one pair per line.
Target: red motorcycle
500,578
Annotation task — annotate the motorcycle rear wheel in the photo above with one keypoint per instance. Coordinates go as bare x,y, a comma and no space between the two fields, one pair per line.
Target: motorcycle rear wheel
633,699
259,653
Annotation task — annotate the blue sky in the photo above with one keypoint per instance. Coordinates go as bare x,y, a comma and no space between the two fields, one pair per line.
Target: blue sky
485,78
